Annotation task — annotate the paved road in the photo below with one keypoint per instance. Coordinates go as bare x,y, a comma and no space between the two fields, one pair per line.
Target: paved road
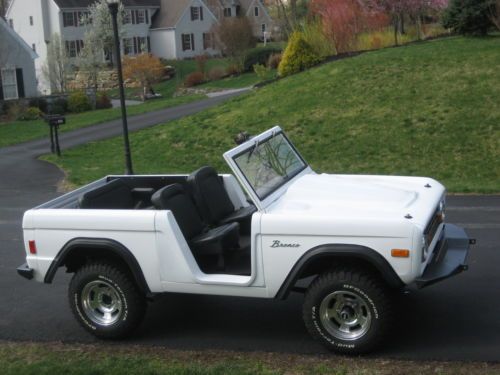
455,320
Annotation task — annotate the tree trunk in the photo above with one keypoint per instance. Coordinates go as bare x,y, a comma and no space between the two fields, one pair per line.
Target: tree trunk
419,27
396,26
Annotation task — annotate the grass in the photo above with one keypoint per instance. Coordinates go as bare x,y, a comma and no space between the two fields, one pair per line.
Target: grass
76,359
243,80
429,109
22,131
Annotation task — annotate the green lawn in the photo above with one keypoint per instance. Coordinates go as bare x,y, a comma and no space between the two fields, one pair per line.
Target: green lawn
21,131
101,359
426,109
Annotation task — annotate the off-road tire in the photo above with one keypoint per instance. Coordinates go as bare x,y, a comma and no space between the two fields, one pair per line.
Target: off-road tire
124,290
369,292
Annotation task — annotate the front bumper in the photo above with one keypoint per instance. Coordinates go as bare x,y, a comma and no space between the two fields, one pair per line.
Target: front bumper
449,258
25,271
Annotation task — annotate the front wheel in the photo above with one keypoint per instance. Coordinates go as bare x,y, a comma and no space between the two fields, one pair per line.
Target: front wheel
105,301
348,311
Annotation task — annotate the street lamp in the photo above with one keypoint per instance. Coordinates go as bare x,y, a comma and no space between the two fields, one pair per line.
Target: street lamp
113,9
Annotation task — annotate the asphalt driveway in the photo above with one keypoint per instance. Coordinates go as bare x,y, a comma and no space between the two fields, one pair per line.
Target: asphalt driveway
457,319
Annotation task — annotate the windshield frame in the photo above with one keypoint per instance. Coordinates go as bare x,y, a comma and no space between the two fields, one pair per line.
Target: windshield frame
232,155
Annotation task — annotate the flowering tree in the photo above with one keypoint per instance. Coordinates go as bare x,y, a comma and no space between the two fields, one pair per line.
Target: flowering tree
145,69
344,20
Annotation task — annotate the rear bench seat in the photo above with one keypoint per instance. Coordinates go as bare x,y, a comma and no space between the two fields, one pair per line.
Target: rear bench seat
116,195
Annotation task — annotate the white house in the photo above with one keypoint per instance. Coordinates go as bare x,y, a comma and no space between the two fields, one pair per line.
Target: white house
17,65
182,29
36,21
171,29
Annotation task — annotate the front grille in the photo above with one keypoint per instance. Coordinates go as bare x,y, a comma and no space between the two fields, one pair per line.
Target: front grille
432,227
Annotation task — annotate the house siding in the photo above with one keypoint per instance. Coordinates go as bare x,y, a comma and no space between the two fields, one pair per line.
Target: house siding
15,56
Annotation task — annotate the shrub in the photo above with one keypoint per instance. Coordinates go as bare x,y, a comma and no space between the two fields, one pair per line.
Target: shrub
30,114
194,79
258,56
40,103
468,17
103,101
274,61
261,71
233,69
79,102
314,35
298,56
234,36
201,63
59,106
217,72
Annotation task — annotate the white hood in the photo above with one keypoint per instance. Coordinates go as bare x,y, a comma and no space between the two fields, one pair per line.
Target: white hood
383,197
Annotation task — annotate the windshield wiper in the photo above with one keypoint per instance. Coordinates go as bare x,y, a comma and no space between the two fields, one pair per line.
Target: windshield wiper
252,150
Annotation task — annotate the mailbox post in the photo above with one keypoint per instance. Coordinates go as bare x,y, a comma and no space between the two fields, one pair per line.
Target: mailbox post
54,121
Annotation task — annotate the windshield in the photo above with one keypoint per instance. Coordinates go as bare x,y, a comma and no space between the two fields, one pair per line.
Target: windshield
269,164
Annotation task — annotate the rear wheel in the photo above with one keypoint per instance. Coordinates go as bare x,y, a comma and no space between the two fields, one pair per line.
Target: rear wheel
106,301
348,311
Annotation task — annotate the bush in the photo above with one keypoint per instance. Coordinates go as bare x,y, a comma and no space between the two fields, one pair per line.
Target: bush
79,102
233,69
201,63
58,106
315,36
468,17
30,114
261,71
216,73
194,79
274,60
103,101
298,56
258,56
40,103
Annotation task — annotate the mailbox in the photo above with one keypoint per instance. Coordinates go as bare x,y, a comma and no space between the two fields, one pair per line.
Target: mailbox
54,122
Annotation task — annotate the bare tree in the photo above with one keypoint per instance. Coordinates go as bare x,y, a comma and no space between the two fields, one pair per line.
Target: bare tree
234,36
57,66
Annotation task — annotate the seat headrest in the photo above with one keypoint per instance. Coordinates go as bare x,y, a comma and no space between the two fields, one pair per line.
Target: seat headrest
204,172
160,198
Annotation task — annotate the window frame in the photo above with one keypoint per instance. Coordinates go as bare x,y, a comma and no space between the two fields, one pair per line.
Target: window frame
256,11
11,85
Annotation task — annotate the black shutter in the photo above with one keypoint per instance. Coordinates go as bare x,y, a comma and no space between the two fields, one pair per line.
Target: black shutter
20,83
146,13
134,19
192,13
192,42
149,44
1,88
135,45
201,13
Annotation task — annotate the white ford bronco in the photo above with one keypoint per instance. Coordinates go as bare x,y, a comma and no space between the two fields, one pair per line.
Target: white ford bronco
272,225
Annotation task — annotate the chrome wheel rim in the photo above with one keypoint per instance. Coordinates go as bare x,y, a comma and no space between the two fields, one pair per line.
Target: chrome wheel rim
101,303
345,315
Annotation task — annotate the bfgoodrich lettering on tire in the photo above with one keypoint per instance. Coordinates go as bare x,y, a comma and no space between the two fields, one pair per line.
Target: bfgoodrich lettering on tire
105,301
347,310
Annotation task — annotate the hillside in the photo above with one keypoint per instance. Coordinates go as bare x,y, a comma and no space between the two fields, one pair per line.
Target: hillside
430,108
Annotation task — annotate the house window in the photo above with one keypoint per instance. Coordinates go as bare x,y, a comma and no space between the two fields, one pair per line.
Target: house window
33,47
256,11
238,10
31,20
227,12
11,23
73,47
263,27
141,16
9,84
195,13
127,18
187,42
83,18
128,46
208,40
68,19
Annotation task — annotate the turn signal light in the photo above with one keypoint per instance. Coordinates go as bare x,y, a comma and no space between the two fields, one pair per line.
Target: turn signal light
32,246
400,253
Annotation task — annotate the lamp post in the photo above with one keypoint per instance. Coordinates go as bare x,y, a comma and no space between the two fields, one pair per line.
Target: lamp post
113,9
